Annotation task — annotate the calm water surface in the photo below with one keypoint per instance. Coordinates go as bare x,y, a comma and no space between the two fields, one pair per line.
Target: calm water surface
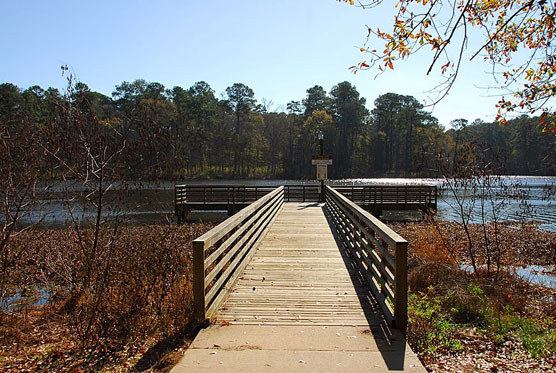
149,203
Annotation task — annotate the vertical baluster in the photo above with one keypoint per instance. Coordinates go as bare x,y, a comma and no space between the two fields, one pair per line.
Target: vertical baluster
400,292
199,280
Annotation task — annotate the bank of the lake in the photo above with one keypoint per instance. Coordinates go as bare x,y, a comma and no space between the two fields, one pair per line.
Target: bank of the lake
520,198
134,314
123,303
466,321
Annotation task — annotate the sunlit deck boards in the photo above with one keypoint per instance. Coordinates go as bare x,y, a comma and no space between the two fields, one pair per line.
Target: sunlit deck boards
299,276
299,305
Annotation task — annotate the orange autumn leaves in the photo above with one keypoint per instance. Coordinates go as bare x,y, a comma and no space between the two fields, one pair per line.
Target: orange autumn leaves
517,39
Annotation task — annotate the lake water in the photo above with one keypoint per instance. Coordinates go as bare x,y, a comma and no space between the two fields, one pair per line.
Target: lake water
149,203
534,274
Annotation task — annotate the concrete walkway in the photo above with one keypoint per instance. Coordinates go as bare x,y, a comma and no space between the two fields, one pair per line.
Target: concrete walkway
299,306
250,348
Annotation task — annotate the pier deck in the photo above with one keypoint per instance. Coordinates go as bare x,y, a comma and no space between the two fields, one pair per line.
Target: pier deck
300,304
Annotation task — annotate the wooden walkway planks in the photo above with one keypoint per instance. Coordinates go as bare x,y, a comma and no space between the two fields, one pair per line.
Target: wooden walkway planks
299,276
300,305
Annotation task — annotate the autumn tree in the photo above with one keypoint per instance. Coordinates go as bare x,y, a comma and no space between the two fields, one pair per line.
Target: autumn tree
516,38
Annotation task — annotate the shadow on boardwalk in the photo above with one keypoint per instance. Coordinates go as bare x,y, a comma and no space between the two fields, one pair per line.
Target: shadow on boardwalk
390,342
165,354
299,305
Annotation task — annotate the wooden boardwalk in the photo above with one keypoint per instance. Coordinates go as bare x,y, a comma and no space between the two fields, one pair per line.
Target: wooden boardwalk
298,276
233,198
300,304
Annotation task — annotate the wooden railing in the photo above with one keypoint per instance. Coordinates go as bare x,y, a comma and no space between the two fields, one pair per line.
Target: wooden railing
301,193
221,254
425,195
233,198
219,193
372,197
241,193
380,254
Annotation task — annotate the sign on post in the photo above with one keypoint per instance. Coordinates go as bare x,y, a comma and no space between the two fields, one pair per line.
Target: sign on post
322,162
321,159
322,172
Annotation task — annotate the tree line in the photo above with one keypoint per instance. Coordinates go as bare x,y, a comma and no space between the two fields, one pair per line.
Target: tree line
151,132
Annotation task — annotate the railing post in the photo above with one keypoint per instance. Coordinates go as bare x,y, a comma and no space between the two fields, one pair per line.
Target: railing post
176,204
199,305
400,306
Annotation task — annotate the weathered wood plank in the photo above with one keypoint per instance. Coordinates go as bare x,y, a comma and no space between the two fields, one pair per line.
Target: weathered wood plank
299,276
238,264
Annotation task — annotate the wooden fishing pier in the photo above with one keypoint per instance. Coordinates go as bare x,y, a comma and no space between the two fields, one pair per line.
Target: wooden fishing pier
373,198
291,283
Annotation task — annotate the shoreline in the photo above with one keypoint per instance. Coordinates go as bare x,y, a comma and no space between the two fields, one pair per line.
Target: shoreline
435,284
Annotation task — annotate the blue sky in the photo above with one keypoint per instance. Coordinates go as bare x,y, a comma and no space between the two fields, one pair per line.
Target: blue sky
279,48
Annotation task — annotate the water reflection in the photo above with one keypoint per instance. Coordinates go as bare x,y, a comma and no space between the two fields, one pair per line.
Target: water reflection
533,274
18,301
146,203
538,275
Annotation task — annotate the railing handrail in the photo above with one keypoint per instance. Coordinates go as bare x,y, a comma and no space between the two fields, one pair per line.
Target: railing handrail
218,186
372,256
239,194
385,232
404,196
240,233
221,229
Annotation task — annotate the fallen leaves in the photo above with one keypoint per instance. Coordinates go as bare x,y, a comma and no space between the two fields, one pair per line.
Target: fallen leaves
47,337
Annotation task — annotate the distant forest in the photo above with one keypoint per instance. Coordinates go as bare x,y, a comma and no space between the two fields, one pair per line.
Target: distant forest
146,131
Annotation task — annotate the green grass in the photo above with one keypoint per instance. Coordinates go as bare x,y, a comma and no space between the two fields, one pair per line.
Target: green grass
437,322
537,335
430,329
